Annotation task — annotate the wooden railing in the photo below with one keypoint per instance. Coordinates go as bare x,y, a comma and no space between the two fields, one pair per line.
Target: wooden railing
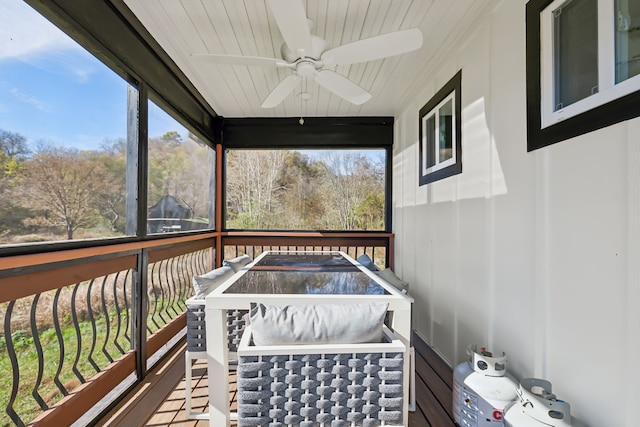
379,246
78,324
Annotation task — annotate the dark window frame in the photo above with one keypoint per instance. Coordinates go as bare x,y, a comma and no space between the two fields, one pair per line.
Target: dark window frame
110,32
453,86
618,110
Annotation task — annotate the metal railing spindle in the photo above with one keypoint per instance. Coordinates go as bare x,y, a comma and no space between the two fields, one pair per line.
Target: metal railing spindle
107,320
61,348
94,332
36,341
76,325
116,305
15,368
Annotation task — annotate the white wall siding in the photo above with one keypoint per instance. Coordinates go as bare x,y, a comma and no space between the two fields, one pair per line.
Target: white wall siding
536,254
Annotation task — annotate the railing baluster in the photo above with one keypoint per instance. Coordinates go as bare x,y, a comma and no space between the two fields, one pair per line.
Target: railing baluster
94,332
107,321
187,273
127,307
164,264
76,325
116,304
15,368
152,316
172,285
61,349
36,341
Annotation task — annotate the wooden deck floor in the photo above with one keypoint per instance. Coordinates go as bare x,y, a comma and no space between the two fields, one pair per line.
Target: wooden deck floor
159,401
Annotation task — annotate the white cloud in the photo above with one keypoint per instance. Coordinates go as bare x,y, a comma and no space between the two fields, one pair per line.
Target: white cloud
24,33
27,36
28,99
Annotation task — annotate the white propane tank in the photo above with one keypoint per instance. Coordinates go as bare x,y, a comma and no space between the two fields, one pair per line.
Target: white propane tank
538,407
482,389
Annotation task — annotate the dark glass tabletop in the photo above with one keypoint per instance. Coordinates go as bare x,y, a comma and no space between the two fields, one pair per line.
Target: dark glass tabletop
304,273
304,260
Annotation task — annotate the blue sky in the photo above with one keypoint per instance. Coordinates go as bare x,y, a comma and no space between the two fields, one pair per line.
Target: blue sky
51,89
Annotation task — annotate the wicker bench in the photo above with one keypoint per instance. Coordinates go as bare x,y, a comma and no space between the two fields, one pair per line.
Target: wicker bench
197,343
197,334
331,385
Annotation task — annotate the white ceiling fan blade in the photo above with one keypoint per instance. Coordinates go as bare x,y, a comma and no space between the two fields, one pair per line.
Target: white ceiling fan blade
280,92
373,48
342,86
257,61
292,22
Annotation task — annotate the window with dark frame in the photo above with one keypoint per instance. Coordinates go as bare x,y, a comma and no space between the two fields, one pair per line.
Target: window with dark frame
583,62
306,189
440,134
332,174
114,208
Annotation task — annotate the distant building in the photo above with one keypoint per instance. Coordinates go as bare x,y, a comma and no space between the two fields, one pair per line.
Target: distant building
166,215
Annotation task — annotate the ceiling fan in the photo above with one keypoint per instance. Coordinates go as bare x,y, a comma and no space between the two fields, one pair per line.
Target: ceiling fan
309,56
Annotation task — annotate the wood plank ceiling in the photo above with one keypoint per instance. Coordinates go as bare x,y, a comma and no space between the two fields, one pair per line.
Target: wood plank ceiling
247,28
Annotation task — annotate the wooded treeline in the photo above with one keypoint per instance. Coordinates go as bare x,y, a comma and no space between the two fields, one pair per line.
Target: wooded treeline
53,192
288,190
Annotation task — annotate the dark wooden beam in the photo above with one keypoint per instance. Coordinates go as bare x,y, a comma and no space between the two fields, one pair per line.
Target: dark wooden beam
316,132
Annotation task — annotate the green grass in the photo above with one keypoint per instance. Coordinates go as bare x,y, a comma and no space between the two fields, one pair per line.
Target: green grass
25,404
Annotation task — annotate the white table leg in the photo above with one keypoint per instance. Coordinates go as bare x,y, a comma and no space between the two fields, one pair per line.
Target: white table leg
402,326
218,367
402,323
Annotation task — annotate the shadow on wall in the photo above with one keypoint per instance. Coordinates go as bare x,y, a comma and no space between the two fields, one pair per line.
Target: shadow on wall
482,173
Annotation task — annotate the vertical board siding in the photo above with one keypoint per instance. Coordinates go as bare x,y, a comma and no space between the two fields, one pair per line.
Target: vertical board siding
535,254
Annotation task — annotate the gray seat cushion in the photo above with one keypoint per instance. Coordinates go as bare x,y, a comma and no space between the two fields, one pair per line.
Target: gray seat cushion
205,283
317,324
366,261
388,275
238,262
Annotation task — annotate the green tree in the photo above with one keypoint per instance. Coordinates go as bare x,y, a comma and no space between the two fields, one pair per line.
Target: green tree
370,213
280,189
110,199
350,181
254,181
302,203
166,162
180,168
13,152
13,145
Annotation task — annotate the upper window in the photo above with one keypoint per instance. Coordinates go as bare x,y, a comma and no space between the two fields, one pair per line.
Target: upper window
339,190
63,129
440,134
180,185
582,66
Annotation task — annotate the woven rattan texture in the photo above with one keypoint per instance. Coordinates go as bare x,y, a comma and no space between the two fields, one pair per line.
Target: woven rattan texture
336,390
197,334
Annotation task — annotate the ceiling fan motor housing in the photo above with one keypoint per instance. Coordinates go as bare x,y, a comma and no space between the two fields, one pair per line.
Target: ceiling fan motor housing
318,46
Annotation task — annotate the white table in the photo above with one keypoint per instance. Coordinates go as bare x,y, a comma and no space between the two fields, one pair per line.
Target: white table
229,297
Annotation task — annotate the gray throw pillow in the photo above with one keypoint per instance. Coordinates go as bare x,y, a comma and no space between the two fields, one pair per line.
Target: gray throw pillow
366,261
238,262
388,275
205,283
317,324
